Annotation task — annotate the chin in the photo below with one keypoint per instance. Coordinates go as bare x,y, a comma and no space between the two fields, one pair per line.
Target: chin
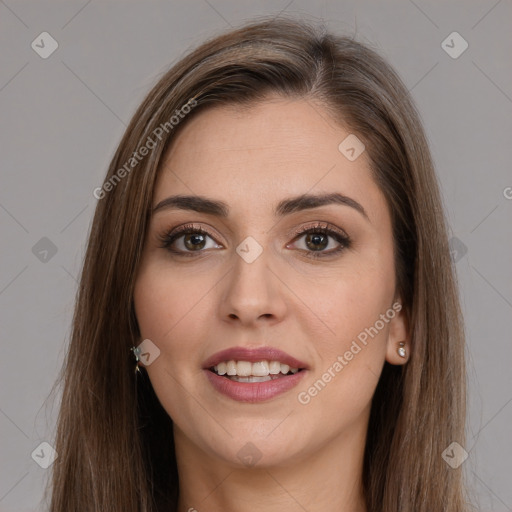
258,448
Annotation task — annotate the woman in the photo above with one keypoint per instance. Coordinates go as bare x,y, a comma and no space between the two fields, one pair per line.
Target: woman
269,249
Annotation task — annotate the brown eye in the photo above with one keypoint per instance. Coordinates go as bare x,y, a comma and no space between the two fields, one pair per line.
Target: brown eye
317,239
194,241
187,240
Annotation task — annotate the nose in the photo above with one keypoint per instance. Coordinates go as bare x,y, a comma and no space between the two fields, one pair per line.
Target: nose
254,293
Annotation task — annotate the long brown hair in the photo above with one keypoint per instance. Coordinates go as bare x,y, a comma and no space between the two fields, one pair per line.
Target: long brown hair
114,440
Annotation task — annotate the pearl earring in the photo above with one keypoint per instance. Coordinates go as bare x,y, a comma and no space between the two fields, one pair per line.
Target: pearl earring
401,349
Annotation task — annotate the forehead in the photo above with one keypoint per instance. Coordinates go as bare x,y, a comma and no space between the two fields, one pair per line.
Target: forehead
252,157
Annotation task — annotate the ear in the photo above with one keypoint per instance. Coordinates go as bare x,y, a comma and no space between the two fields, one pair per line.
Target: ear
398,335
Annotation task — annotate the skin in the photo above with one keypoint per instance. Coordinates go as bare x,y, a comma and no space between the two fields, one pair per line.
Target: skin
190,308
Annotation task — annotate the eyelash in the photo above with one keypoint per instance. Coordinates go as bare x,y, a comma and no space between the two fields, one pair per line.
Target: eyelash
167,239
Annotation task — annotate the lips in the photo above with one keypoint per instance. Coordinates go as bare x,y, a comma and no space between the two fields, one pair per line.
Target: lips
253,388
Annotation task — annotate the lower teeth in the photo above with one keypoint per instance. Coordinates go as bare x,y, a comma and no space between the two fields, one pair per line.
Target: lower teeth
252,378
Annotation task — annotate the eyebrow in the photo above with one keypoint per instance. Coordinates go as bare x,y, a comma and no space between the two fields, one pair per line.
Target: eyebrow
287,206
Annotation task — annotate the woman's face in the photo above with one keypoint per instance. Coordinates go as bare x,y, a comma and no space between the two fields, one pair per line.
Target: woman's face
251,296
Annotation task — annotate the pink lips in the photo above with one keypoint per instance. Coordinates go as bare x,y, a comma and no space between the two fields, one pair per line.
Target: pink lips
253,391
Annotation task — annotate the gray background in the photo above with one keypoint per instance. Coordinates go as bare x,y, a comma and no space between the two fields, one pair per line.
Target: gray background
62,117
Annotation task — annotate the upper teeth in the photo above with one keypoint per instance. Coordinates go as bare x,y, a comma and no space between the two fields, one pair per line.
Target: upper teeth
258,369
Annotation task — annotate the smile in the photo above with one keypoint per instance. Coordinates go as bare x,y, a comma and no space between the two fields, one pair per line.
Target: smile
253,374
259,371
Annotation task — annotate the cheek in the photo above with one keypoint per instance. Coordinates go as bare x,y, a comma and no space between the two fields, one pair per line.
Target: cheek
352,354
165,301
170,313
174,310
348,301
350,350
